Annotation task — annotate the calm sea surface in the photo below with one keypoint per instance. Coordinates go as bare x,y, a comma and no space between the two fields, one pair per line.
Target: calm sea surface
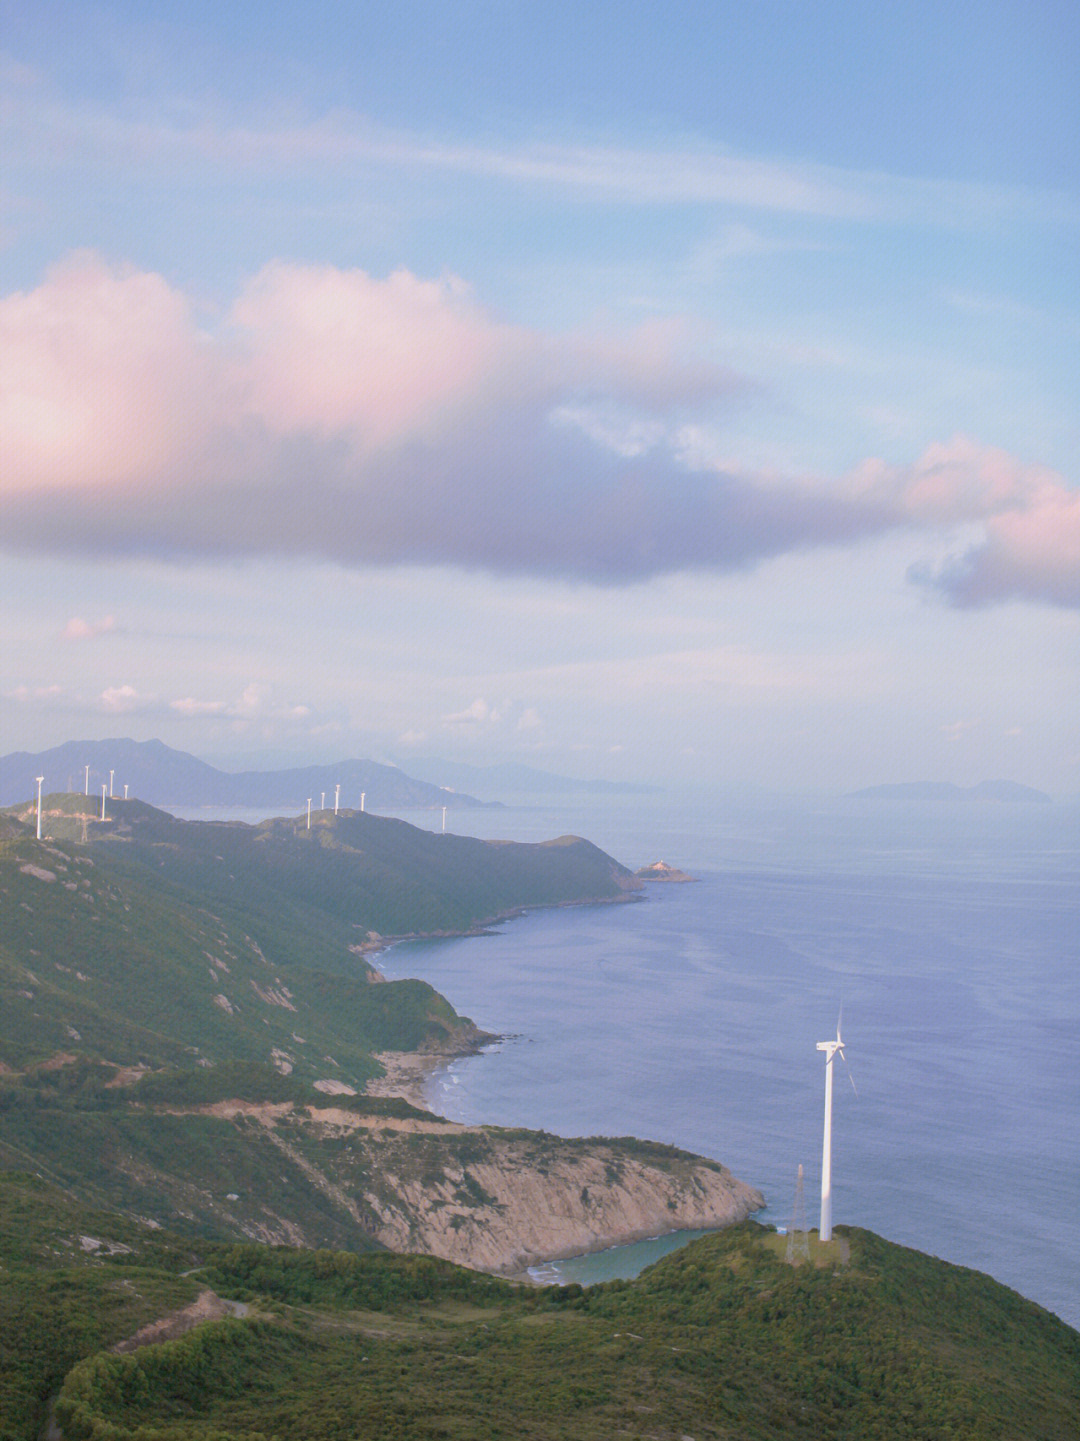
949,932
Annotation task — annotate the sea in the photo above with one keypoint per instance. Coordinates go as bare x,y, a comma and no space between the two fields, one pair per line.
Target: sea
946,932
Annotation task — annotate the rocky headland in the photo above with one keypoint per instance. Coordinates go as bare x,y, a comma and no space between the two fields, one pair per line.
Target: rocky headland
661,871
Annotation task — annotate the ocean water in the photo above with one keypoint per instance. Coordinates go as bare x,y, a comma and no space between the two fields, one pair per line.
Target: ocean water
949,934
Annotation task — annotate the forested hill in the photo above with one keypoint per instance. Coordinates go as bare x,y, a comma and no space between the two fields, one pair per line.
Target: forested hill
724,1339
159,938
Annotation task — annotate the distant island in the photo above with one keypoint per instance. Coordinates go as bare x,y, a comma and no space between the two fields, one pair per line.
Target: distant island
997,792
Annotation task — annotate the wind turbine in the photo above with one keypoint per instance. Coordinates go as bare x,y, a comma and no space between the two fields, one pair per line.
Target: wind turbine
309,813
831,1048
39,780
337,797
87,769
322,800
363,797
444,820
104,788
111,774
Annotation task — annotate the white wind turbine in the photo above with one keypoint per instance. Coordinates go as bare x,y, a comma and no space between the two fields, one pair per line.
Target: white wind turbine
39,780
831,1048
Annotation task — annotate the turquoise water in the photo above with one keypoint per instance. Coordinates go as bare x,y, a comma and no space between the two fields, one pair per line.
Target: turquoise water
692,1016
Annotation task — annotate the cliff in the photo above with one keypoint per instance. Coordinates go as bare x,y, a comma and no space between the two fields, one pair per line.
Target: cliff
499,1201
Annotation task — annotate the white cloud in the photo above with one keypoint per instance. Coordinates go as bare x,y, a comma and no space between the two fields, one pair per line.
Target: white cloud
479,713
124,699
189,706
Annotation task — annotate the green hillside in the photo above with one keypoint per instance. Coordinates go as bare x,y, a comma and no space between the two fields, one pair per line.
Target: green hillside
721,1340
165,942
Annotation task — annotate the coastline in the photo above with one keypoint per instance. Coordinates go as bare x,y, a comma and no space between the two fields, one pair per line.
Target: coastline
376,943
563,1201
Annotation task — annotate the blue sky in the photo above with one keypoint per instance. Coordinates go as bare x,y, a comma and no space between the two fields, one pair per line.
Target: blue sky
637,391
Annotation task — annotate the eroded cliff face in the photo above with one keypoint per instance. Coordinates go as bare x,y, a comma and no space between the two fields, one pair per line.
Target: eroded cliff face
492,1199
519,1204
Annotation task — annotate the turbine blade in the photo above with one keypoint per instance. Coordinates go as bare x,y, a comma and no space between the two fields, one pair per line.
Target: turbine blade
847,1068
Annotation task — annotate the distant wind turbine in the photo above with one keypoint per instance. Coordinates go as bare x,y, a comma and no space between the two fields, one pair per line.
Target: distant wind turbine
831,1049
111,774
337,797
363,795
309,813
125,790
104,788
444,820
39,780
322,800
87,780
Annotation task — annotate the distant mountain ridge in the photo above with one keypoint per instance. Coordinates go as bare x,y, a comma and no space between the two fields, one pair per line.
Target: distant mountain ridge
156,773
1002,792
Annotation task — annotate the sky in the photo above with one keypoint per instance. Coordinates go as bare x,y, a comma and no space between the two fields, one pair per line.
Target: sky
680,394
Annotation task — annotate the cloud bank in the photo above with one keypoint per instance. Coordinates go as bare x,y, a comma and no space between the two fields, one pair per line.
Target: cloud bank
333,415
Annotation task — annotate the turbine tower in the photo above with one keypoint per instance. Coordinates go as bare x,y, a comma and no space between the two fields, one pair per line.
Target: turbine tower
87,769
39,780
798,1239
831,1048
337,797
309,813
104,788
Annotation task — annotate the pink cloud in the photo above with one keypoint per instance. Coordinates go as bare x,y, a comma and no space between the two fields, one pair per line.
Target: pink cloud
1027,554
397,421
79,629
955,481
328,352
104,380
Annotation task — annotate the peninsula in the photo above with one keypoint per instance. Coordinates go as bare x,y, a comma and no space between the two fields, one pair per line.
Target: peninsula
208,983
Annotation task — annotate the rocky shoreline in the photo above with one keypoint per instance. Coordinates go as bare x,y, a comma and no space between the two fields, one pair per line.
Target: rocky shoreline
519,1199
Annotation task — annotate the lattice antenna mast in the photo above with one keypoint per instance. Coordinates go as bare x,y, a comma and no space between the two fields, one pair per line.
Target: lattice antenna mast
798,1237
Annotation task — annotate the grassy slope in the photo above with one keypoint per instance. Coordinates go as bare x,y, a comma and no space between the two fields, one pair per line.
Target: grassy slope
719,1340
109,961
170,941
